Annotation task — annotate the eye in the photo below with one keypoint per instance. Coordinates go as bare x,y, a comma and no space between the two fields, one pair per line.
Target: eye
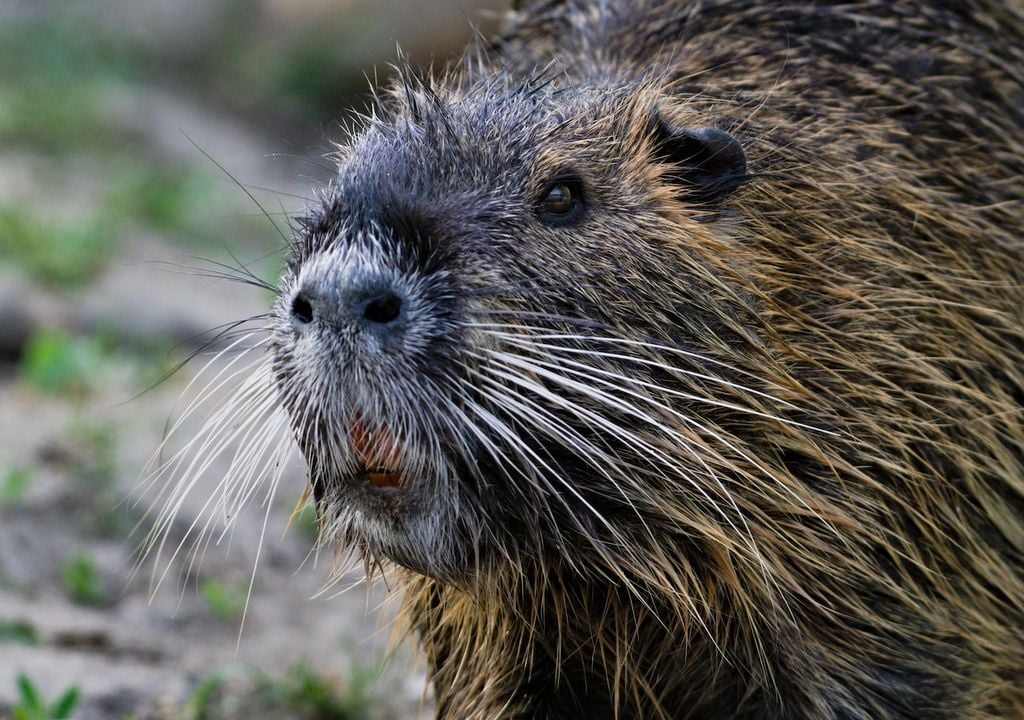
561,202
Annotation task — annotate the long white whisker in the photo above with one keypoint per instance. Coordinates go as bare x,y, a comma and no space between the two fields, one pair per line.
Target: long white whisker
555,350
252,422
631,438
599,421
588,391
521,331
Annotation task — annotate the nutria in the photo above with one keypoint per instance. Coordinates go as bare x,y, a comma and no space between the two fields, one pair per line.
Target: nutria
671,352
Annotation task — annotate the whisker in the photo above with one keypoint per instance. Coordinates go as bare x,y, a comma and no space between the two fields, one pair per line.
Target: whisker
234,332
589,391
548,333
228,272
599,421
252,421
582,369
241,186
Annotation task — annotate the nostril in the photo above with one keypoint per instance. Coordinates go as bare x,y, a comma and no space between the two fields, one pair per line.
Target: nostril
383,309
302,310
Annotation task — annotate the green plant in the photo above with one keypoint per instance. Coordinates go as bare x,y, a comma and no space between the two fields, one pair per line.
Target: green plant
200,704
61,254
95,475
99,444
82,580
31,705
307,694
56,74
13,486
306,523
18,632
227,603
57,363
166,198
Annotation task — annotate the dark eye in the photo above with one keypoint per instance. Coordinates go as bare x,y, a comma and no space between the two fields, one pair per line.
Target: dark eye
561,202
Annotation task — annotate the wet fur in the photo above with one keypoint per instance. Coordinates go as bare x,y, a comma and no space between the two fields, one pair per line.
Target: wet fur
754,455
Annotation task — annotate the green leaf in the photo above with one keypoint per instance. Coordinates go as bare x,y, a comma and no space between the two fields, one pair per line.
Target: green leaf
226,602
19,632
54,362
13,486
82,580
63,708
61,255
30,698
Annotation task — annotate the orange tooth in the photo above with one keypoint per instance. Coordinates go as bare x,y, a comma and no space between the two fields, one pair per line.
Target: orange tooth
384,479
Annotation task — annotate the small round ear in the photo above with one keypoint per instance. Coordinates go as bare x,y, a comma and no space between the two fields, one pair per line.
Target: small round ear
709,163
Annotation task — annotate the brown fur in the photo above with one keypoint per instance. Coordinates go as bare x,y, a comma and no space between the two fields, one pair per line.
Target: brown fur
843,535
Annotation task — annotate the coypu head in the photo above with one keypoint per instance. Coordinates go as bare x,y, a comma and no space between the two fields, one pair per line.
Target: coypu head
499,317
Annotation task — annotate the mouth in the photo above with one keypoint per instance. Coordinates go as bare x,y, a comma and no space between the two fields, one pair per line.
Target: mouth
382,478
379,456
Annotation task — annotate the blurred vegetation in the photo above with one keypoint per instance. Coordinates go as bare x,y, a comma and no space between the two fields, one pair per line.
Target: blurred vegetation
18,632
101,507
313,696
226,602
301,693
72,367
308,72
305,521
13,486
81,580
62,75
52,89
58,254
96,466
32,706
59,70
57,363
165,198
203,699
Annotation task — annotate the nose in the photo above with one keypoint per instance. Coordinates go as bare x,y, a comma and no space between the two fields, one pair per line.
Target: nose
371,306
382,309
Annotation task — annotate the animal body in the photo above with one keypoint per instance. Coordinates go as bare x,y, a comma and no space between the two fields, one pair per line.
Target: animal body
672,353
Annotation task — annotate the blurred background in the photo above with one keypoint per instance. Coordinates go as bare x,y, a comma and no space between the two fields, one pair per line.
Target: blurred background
131,132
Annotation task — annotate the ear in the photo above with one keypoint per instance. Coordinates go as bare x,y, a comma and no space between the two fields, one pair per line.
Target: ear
709,163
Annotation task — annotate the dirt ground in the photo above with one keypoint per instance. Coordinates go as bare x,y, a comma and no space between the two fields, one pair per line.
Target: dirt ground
122,156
